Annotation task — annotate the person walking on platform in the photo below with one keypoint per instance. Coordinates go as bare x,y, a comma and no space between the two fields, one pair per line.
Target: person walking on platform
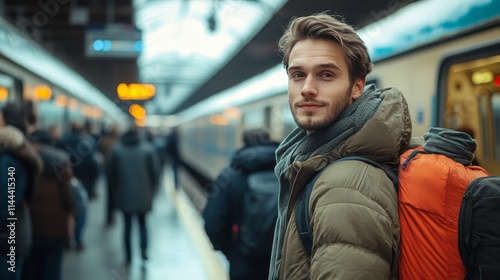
172,149
132,172
224,212
109,139
51,211
21,167
353,205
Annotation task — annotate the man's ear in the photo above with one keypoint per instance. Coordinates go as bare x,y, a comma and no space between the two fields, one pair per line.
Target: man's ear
357,88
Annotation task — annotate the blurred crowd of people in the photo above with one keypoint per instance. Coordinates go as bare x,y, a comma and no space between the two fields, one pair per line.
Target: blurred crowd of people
53,179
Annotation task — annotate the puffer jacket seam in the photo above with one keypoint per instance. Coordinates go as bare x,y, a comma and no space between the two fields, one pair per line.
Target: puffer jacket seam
386,213
353,246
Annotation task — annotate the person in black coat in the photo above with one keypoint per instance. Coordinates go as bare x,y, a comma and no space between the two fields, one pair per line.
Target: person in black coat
224,208
132,171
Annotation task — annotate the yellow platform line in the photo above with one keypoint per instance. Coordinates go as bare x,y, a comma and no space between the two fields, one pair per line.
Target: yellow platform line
193,224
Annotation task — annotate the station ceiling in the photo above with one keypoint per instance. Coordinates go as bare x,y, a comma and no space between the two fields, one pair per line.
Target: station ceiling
60,26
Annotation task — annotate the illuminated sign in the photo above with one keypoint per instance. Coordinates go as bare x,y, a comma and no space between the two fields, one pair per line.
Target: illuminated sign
135,91
114,40
137,111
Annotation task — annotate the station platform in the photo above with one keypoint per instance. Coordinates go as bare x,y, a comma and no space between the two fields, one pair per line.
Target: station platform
178,245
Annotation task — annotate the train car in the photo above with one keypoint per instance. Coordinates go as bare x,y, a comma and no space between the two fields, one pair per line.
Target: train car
58,95
447,66
443,55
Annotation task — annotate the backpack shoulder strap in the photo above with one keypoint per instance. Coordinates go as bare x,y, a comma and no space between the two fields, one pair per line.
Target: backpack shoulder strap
302,218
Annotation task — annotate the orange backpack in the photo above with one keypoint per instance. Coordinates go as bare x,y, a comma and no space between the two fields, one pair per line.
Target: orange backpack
431,188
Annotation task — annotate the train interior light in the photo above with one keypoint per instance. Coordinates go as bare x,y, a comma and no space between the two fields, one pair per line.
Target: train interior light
219,119
72,104
482,77
43,93
61,100
4,94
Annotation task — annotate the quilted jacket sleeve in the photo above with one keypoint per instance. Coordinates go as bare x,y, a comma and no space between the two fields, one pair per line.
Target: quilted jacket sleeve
355,224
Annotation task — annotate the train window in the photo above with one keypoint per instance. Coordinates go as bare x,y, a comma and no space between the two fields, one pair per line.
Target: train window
254,118
495,108
50,115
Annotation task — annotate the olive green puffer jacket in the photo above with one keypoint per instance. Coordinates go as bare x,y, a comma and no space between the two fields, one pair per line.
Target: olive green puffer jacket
351,191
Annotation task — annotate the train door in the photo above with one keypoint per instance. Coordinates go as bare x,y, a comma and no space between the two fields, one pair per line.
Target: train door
469,100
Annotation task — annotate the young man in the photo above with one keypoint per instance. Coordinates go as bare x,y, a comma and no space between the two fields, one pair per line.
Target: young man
353,205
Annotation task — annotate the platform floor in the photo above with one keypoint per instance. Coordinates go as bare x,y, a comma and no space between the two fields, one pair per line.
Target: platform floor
178,246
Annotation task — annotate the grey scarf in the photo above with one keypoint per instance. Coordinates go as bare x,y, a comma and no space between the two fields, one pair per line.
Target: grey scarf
456,145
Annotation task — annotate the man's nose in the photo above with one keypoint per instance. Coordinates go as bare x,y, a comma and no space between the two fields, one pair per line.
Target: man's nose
310,86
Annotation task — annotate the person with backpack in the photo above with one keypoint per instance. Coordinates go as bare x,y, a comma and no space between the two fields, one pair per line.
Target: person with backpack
353,206
241,212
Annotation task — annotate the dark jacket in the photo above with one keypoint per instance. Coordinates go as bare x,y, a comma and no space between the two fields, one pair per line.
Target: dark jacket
82,149
21,167
132,172
171,146
51,204
223,210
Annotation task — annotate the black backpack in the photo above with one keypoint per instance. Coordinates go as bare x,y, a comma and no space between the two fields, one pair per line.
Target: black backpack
259,215
479,229
302,207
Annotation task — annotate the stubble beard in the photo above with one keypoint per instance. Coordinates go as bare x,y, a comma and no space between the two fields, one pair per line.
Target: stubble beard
312,121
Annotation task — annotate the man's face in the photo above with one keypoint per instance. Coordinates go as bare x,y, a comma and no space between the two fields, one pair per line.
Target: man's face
319,88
